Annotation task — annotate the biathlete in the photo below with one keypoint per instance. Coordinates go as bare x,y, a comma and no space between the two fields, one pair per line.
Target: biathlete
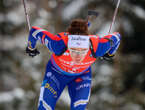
73,52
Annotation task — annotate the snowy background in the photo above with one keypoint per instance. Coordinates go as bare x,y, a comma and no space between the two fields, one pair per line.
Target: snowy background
117,85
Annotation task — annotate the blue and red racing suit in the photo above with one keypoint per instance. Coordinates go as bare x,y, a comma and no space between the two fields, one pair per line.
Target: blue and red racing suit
62,72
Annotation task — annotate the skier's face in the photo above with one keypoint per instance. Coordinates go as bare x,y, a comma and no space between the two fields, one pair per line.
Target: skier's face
78,54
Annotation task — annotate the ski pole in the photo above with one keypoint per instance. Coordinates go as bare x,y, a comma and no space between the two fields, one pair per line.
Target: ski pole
26,15
114,16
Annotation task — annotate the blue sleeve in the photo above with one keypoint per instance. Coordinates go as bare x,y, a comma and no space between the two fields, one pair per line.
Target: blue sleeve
108,44
116,42
53,42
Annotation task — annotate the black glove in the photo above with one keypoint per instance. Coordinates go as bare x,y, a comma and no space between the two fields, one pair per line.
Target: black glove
32,53
107,57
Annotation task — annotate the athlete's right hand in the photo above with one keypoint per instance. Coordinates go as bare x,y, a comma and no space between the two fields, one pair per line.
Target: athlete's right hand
32,52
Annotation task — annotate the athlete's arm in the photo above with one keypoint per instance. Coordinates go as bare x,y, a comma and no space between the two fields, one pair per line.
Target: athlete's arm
108,44
53,42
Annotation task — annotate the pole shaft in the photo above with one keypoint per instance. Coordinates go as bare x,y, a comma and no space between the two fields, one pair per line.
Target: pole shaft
114,16
26,15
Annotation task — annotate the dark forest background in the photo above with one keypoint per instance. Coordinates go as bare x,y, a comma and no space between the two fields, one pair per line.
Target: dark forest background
118,84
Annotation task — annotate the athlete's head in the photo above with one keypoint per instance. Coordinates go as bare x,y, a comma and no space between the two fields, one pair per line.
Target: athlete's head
78,43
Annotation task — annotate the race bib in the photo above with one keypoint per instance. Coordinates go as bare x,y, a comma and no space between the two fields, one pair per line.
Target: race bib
78,41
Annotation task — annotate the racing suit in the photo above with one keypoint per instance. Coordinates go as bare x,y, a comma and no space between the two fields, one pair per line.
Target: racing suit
61,71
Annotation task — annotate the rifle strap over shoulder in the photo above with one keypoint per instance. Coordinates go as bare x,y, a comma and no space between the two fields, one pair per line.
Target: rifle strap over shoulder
94,45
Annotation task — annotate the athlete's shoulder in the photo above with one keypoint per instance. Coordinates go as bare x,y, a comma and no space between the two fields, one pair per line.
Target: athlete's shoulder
107,38
37,29
94,38
62,34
